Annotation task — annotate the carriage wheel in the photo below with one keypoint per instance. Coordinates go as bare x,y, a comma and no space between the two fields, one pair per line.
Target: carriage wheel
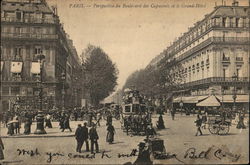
224,128
213,128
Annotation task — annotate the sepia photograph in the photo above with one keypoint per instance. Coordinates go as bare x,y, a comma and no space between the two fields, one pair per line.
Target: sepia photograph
124,82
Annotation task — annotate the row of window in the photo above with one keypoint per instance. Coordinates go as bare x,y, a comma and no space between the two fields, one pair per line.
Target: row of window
22,16
14,91
226,58
20,76
27,29
19,51
190,36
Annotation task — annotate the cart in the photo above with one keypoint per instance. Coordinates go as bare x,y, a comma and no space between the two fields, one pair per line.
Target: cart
219,125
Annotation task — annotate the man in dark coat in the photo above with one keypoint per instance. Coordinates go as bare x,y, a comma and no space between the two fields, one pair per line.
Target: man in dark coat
150,131
61,120
93,136
144,155
66,124
198,125
79,138
85,137
109,119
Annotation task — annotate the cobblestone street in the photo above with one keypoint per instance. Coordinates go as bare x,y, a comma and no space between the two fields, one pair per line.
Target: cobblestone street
178,136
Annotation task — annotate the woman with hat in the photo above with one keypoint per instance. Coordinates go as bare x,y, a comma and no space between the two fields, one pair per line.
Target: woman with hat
143,156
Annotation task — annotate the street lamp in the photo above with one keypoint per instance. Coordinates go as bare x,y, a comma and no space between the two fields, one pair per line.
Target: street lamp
63,77
234,78
40,117
76,99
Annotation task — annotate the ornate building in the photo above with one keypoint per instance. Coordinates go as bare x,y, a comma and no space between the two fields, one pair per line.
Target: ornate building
29,28
214,55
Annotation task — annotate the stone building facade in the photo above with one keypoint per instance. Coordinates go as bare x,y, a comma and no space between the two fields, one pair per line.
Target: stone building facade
30,28
211,53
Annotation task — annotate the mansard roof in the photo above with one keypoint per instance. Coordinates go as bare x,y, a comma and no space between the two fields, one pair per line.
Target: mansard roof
27,7
231,11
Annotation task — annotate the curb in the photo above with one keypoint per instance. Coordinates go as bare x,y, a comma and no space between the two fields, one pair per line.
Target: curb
37,136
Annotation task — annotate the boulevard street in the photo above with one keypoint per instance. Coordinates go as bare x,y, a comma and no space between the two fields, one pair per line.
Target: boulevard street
179,139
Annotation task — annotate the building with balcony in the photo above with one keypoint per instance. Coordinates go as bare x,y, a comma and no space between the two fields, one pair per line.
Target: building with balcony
210,53
74,94
30,28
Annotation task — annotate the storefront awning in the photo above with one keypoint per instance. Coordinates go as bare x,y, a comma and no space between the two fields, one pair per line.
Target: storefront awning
211,101
35,68
229,98
16,67
189,99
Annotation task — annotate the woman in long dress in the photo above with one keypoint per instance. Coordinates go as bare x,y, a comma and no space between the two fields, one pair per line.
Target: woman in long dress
48,121
110,134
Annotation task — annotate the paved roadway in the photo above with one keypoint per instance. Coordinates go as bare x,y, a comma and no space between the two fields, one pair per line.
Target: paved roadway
178,138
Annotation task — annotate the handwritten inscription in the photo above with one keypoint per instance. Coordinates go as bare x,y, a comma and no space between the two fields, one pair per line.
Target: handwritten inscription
190,153
222,154
133,153
28,152
218,153
52,155
87,156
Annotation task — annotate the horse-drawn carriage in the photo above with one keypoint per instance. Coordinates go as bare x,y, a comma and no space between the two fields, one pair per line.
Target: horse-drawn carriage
134,117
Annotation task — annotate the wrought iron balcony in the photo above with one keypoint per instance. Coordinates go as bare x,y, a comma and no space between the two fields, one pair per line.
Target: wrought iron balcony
30,20
216,80
216,40
5,35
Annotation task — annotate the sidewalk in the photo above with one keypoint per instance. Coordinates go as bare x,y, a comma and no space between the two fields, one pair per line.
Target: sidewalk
51,132
55,131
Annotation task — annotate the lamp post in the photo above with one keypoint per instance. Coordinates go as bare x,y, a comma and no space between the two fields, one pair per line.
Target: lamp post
40,117
234,78
63,77
17,103
76,98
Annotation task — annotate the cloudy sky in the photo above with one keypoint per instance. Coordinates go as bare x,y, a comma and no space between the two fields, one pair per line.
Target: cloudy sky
132,37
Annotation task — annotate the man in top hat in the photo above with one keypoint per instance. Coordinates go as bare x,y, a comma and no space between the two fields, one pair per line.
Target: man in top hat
93,136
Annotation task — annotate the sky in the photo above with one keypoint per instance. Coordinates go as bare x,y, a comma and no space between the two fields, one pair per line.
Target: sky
131,36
